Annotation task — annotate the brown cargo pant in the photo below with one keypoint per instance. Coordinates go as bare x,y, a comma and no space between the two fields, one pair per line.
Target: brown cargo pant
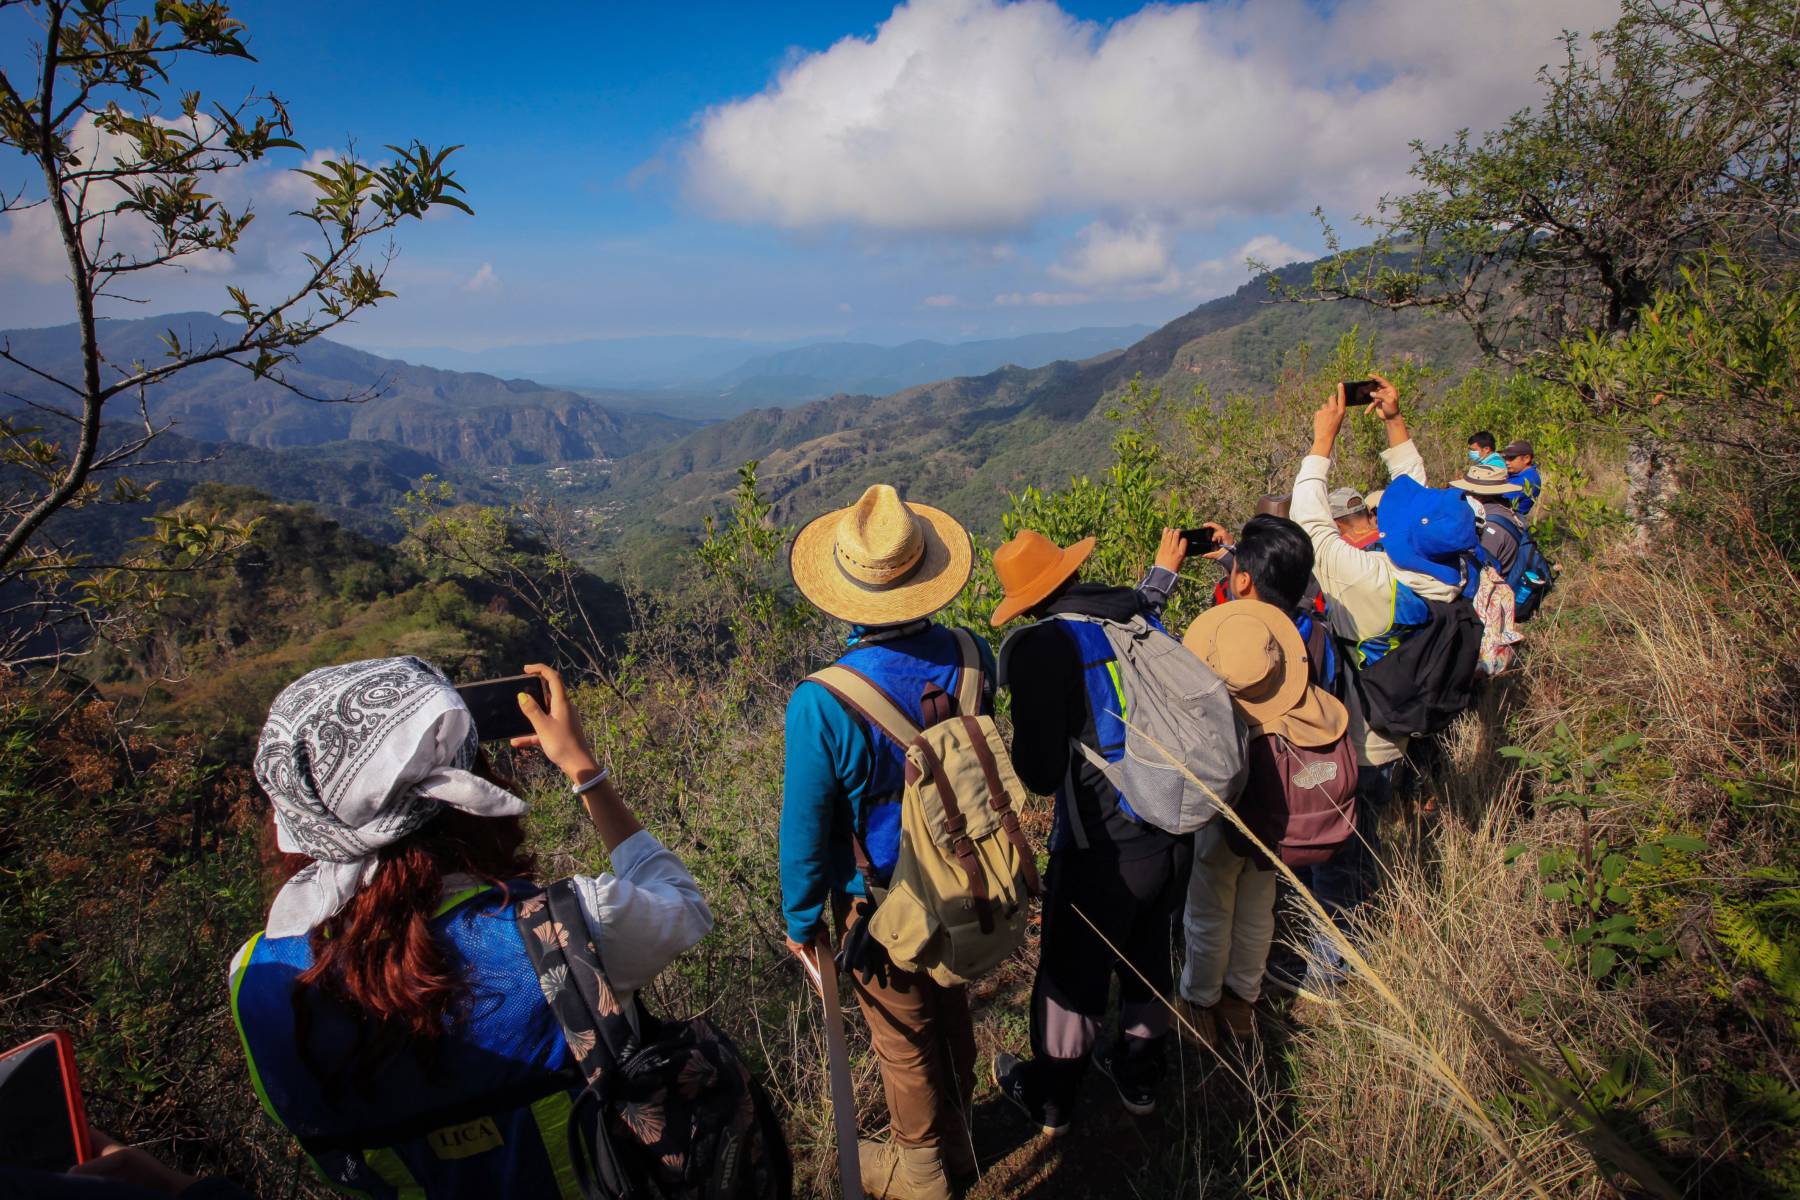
924,1039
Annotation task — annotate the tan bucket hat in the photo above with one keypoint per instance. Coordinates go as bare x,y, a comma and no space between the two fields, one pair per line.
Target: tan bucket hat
1030,567
882,561
1256,649
1483,480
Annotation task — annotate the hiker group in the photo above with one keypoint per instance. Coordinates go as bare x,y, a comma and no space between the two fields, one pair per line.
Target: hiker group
1343,626
425,1020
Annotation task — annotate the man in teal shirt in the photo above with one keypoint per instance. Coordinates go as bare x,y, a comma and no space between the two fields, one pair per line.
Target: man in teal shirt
884,566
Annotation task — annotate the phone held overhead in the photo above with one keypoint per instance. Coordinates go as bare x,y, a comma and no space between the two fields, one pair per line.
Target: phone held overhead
43,1125
1359,392
494,703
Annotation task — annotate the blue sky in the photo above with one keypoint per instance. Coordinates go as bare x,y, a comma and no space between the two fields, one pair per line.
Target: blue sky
951,168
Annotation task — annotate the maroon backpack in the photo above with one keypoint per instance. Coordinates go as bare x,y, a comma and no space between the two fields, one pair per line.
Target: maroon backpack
1299,800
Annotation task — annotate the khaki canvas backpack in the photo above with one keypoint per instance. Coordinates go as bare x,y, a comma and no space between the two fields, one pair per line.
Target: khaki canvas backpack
955,906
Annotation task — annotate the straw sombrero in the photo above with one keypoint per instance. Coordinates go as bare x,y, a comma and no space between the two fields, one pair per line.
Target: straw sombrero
1483,480
1257,650
882,561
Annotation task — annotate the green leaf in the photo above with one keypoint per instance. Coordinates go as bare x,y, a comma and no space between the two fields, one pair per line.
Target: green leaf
1613,866
1618,894
1684,843
1601,962
1513,852
1556,891
1651,853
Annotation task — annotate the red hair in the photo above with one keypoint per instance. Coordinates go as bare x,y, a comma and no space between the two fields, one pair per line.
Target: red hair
377,958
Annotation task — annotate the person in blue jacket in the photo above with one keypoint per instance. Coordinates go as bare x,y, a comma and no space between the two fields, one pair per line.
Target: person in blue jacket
391,1017
1521,468
883,566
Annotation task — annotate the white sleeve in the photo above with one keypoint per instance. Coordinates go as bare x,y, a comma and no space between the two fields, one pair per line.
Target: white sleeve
644,912
1405,459
1349,577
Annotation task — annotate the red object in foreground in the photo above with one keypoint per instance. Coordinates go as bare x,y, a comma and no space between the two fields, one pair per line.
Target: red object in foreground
42,1122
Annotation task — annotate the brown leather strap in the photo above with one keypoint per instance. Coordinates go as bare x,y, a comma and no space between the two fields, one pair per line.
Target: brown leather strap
1001,802
935,705
968,675
954,825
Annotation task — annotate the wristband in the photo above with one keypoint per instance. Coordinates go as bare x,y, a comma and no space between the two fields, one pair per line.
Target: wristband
596,781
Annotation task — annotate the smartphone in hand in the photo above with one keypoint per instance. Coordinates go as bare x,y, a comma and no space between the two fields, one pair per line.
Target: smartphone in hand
1200,541
43,1125
494,703
1359,392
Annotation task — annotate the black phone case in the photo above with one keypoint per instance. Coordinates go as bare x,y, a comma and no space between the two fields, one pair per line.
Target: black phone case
495,706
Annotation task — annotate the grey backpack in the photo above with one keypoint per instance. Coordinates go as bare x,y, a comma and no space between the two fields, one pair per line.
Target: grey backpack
1178,714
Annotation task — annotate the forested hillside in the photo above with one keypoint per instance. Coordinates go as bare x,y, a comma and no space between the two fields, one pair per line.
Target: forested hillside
970,442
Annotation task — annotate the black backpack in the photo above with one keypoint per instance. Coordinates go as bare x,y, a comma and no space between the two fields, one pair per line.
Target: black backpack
670,1109
1420,685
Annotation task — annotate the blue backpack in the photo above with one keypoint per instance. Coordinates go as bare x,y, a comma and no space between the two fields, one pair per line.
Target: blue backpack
1531,577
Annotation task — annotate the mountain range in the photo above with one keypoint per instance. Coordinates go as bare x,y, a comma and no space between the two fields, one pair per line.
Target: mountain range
965,441
455,417
721,377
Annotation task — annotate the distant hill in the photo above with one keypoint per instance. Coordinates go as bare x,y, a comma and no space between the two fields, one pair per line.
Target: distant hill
830,368
457,418
665,362
966,442
722,377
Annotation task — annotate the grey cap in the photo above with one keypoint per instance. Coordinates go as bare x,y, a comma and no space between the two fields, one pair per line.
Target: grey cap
1346,502
1516,449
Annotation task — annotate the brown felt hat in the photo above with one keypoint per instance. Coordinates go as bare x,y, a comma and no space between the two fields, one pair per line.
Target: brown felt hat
1483,480
1031,567
882,561
1256,649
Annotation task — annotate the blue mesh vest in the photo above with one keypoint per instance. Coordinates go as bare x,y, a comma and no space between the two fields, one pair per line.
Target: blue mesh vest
901,668
1410,613
486,1116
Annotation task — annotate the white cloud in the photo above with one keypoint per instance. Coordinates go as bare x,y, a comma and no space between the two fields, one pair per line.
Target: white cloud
979,117
1106,256
485,279
1040,299
941,301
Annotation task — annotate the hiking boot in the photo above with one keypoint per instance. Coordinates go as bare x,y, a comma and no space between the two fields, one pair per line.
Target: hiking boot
1235,1014
891,1171
1197,1022
1139,1099
1014,1082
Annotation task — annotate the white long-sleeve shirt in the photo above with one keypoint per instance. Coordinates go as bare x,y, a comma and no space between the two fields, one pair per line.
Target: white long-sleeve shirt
1359,586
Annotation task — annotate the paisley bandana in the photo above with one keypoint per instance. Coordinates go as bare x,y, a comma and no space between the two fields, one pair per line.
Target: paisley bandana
354,758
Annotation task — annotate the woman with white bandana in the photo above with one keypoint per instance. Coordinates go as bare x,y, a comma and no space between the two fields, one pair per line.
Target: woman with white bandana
389,1010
